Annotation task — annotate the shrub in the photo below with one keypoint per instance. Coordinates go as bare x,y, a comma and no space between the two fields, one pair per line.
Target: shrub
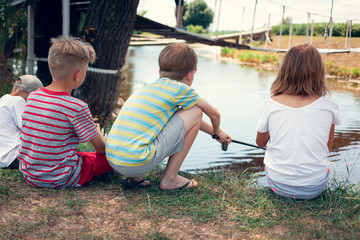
196,28
355,72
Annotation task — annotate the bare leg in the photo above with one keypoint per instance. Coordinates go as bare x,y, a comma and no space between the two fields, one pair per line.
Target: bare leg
192,120
179,21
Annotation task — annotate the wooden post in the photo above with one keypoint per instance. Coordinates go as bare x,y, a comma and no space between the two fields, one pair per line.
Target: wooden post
30,40
281,26
217,27
307,26
267,32
312,31
330,33
212,26
350,34
241,27
253,21
290,31
66,18
347,32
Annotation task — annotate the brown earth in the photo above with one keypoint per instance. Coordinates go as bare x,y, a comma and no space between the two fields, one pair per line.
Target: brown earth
342,59
102,210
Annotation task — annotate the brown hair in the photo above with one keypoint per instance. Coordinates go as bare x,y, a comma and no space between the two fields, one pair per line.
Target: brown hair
176,61
302,72
67,55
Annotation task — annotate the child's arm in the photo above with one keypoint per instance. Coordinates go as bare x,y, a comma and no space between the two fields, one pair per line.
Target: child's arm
331,137
99,140
262,139
214,116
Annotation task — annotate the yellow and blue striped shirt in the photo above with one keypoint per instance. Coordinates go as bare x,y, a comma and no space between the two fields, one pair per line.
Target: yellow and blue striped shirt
143,116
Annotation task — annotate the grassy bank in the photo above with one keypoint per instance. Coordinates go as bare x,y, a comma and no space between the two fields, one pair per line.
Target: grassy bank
225,206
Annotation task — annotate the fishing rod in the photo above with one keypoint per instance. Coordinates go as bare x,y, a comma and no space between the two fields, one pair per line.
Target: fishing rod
247,144
224,145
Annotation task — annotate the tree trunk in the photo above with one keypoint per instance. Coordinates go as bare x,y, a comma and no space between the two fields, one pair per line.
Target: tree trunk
108,27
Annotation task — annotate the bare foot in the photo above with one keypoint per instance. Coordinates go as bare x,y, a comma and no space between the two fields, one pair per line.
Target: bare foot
178,182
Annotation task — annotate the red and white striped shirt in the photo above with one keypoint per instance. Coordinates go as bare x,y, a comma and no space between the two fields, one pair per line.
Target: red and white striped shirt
53,125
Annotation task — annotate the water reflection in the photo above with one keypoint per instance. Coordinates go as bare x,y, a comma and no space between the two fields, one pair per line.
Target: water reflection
238,92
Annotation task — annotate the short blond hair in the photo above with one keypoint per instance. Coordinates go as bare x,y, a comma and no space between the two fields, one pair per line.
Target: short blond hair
176,61
67,55
302,72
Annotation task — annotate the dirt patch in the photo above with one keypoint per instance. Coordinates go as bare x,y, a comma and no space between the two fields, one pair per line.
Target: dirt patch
99,212
343,59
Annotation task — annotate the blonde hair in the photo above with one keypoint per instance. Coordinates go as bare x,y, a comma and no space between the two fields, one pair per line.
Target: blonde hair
176,61
302,72
67,55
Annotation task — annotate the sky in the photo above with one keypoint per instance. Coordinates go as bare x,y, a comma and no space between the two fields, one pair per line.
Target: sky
231,15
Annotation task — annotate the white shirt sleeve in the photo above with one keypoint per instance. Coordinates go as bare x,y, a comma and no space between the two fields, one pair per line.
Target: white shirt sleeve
262,125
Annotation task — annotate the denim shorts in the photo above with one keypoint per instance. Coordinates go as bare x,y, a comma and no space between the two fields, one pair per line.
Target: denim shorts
169,141
299,192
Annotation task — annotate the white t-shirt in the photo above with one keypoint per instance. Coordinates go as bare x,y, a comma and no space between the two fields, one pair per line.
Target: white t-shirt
296,153
11,109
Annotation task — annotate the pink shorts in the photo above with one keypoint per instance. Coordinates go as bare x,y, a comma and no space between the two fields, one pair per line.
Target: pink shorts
93,165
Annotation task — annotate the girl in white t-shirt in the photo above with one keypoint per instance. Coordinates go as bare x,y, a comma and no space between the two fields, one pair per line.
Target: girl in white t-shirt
297,126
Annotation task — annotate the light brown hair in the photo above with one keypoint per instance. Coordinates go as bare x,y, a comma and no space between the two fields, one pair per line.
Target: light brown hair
302,72
176,61
67,55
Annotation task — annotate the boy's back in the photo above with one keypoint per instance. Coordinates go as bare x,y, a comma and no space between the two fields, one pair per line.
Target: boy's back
142,118
53,125
11,108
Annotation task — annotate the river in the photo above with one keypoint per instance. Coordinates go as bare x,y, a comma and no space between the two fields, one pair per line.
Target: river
238,92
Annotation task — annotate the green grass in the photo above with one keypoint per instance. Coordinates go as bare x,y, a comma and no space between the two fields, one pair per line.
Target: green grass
224,199
250,56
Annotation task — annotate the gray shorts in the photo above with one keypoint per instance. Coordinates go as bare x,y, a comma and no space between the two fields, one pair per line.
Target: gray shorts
299,192
169,141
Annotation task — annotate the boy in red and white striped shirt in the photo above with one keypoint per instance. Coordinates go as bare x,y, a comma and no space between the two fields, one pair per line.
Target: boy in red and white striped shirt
54,123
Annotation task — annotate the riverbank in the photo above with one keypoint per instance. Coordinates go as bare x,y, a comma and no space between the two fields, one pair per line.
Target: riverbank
344,67
225,206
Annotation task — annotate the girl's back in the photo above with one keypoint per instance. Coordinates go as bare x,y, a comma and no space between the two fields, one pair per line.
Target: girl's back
297,125
299,129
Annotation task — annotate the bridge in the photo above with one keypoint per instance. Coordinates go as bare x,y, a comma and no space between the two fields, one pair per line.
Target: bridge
148,25
261,34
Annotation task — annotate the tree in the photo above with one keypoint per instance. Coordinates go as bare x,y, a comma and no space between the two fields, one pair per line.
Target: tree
13,23
197,13
108,27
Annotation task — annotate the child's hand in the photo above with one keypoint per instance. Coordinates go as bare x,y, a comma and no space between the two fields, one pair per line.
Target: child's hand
223,137
100,130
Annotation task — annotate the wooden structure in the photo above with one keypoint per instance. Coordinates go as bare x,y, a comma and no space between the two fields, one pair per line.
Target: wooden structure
260,34
147,25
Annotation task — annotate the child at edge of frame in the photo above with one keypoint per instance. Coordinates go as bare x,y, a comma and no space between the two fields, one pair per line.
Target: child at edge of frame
12,106
297,125
54,122
162,120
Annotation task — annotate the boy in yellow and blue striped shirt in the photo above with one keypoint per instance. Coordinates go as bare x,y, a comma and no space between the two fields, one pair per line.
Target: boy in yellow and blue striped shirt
162,120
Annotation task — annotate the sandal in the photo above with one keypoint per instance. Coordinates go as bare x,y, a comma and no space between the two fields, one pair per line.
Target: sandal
186,185
132,184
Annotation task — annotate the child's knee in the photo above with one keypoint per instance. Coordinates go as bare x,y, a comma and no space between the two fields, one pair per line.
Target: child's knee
191,117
